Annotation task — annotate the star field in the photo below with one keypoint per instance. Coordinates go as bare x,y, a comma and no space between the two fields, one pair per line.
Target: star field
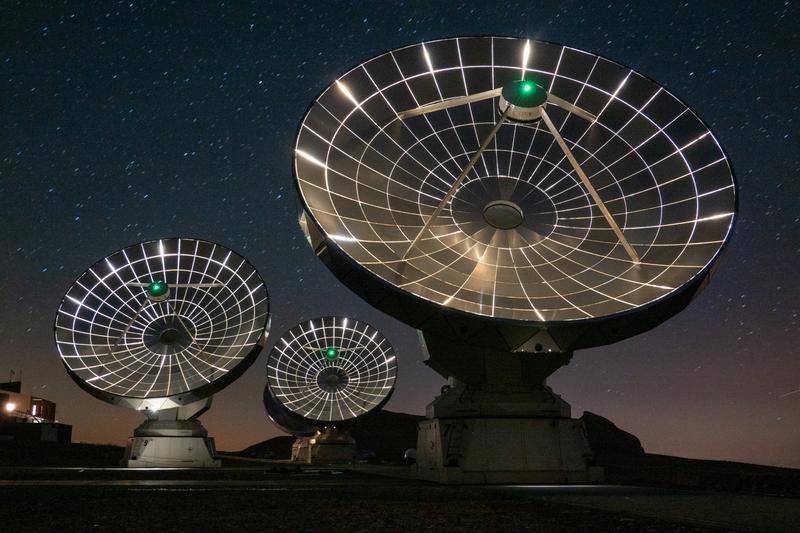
137,120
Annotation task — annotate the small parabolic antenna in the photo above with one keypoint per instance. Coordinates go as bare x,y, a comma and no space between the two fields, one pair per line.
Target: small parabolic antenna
322,375
159,327
514,200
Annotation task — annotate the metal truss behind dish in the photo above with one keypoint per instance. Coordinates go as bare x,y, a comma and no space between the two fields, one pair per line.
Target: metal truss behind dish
331,369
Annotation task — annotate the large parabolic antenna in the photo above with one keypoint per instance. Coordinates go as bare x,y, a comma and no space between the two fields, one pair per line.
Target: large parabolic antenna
512,195
324,374
517,185
162,325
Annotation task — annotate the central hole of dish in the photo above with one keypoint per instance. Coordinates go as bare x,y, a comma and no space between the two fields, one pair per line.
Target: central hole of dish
503,214
168,336
332,379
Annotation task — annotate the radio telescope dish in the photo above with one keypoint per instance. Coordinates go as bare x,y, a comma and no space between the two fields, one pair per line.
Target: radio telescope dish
160,326
491,188
331,369
514,200
171,319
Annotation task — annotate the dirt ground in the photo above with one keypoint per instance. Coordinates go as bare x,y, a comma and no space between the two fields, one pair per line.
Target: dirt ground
66,500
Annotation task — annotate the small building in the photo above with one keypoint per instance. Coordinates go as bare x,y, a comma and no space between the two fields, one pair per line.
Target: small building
26,417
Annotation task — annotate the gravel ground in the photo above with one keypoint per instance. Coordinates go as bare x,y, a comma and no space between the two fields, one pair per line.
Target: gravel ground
261,500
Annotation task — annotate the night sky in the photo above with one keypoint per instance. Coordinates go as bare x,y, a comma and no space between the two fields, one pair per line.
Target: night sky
132,121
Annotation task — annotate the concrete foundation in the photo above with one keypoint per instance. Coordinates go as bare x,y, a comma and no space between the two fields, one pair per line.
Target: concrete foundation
505,450
173,438
170,452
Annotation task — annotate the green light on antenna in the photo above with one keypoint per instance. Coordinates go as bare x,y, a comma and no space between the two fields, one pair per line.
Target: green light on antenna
331,354
525,94
157,288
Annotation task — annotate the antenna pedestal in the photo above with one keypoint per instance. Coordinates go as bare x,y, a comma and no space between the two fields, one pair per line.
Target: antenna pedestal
172,438
329,445
496,421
